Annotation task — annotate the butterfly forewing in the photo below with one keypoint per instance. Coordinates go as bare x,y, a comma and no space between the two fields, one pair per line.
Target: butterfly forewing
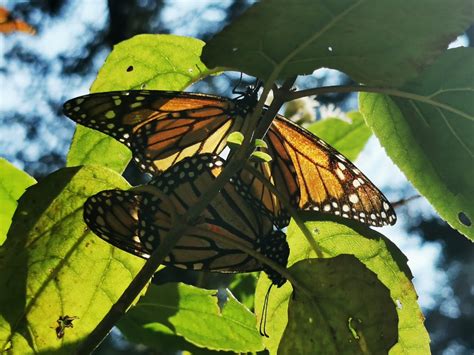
160,127
327,181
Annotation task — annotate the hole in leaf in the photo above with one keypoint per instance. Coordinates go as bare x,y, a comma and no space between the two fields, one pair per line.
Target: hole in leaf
399,304
143,86
130,68
221,299
464,219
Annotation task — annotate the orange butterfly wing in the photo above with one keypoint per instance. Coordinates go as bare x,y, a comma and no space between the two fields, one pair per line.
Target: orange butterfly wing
325,179
9,24
160,127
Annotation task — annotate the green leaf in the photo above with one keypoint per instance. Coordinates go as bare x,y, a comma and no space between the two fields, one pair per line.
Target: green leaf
364,39
13,183
427,127
348,138
52,265
261,156
377,253
347,310
158,62
243,288
194,314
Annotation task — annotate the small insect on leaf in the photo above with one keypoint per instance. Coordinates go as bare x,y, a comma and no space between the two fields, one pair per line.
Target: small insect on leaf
63,323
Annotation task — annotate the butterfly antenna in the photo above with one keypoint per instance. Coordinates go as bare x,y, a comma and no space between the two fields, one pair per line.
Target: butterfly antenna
263,320
234,90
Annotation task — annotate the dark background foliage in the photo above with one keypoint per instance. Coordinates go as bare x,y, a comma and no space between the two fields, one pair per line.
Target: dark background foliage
35,136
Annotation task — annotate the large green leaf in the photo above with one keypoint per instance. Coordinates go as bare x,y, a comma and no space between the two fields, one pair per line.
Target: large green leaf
343,309
374,42
349,138
427,129
377,253
52,265
13,183
192,313
154,62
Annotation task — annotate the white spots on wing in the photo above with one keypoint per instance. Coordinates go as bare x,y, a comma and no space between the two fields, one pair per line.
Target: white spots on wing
334,204
383,214
356,183
340,174
345,208
341,166
136,104
373,216
100,220
353,198
386,206
117,102
356,171
110,114
327,208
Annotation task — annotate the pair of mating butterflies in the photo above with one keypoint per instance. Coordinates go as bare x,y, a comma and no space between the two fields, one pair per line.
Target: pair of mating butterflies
177,137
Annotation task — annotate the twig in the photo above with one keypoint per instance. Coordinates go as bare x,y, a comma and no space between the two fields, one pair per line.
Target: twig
404,201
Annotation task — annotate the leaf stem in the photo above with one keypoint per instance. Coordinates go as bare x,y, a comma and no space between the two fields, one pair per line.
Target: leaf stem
379,90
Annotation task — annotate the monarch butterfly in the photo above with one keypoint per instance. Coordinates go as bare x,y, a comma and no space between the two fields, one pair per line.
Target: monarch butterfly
164,127
9,24
137,220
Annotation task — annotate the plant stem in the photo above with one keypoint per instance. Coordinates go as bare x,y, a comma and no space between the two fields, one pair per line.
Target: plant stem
379,90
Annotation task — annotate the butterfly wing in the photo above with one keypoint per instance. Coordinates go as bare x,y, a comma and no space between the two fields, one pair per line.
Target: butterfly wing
325,180
137,220
9,24
160,127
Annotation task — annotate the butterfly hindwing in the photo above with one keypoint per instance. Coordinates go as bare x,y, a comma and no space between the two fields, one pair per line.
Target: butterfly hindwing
138,219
